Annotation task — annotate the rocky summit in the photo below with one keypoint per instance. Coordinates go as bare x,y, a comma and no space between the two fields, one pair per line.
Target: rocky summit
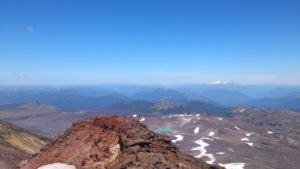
111,142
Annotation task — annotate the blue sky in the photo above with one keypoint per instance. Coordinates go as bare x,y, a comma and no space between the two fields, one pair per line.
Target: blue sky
149,41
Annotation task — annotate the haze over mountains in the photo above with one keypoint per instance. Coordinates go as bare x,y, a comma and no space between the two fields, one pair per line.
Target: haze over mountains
225,124
101,96
244,137
149,84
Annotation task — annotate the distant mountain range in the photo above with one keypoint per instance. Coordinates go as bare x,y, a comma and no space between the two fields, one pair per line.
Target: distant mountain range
168,107
249,132
161,94
64,99
95,97
226,97
291,103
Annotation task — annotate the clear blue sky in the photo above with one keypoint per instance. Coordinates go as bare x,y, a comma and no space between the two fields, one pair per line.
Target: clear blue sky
149,41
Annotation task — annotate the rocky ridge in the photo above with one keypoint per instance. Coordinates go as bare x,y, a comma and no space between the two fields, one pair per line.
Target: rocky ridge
111,142
17,144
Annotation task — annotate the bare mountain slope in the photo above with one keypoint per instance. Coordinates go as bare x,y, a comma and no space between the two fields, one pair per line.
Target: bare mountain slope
17,144
111,142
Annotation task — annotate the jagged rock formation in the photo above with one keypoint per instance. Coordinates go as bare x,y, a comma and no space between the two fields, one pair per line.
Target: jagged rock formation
111,142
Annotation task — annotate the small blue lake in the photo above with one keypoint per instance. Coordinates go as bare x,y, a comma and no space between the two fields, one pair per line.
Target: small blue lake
164,130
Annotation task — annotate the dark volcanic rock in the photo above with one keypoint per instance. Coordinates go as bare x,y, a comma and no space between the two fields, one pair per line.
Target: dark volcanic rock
113,142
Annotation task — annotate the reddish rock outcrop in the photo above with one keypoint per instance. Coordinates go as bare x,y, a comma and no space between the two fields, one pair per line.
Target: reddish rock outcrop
111,142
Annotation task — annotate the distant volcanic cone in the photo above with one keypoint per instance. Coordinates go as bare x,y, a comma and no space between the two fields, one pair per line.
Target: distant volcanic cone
111,142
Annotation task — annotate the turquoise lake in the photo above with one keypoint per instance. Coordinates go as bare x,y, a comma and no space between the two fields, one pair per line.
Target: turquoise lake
164,130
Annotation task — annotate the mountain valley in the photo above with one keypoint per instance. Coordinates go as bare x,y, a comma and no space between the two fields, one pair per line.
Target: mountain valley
238,136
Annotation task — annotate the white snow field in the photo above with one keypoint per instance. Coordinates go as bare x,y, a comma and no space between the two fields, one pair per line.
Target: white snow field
57,166
249,134
178,138
143,119
207,138
211,134
135,115
181,115
220,118
216,138
203,151
250,144
230,149
196,130
233,165
245,139
237,128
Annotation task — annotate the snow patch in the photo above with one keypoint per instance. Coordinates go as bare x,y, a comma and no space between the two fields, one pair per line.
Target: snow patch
206,138
220,118
181,115
250,144
143,119
237,128
230,149
178,138
196,130
203,151
211,134
220,153
135,115
185,120
248,134
270,132
220,82
57,166
245,139
241,111
233,165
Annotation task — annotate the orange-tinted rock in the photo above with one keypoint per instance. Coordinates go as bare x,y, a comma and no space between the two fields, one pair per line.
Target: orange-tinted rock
111,142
